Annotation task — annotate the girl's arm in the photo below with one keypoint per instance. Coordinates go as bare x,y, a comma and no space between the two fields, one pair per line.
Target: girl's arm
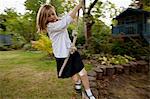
75,10
63,23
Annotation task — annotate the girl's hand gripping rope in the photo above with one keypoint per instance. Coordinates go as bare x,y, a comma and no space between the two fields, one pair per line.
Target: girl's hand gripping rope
73,48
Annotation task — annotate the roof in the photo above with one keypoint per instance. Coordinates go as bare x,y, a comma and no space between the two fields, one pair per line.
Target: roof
131,11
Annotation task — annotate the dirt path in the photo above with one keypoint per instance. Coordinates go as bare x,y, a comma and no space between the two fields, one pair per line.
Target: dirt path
136,86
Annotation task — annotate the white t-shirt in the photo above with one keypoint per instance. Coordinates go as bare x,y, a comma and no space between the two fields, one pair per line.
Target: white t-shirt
58,33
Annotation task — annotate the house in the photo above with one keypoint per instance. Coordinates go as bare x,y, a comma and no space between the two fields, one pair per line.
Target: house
5,40
133,23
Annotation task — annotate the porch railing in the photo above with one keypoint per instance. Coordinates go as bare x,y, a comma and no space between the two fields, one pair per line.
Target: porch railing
126,29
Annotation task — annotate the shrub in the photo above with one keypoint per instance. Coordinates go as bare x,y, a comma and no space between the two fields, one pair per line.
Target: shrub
116,59
100,43
44,44
5,48
100,39
128,47
17,41
118,47
27,46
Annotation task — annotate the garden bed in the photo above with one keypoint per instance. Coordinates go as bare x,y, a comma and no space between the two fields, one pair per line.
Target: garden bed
101,75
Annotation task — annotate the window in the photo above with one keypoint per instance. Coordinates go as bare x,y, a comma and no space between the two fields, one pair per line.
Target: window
148,20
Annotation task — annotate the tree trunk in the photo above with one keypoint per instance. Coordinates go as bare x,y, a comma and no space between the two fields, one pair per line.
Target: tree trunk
89,25
88,22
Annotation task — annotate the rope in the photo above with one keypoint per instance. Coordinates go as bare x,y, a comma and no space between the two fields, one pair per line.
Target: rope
73,48
48,1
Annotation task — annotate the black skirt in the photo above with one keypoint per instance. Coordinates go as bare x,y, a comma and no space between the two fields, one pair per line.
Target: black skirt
73,66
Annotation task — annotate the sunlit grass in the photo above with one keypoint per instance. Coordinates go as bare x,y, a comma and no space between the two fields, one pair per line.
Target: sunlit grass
31,75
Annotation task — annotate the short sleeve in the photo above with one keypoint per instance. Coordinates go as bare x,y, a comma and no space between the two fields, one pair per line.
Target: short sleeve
60,24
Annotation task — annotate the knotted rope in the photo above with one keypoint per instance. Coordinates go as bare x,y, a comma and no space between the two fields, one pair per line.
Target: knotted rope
73,47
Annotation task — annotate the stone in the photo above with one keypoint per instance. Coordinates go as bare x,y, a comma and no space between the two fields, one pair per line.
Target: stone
142,66
99,73
93,84
126,68
118,69
91,78
98,70
103,67
133,68
110,71
142,62
95,92
92,73
99,76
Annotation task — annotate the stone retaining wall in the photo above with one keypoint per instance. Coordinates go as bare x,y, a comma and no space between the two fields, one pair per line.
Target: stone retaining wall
101,74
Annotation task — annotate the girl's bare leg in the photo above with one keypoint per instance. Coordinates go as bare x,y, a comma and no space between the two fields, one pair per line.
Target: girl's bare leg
84,78
85,82
77,82
75,78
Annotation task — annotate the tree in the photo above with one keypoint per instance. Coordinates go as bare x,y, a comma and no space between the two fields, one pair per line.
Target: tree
18,25
91,13
2,21
88,20
146,4
142,4
96,10
32,7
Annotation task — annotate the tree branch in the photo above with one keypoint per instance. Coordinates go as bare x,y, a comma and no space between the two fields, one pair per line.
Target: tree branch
91,6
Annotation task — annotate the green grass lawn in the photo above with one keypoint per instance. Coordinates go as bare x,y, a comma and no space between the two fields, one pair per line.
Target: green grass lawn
31,75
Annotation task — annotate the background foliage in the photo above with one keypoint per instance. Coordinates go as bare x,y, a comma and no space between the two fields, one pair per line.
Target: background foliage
23,27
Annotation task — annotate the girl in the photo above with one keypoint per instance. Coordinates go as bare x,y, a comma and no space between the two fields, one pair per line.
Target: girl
47,21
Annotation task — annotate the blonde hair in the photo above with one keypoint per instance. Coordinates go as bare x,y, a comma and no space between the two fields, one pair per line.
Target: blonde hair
42,15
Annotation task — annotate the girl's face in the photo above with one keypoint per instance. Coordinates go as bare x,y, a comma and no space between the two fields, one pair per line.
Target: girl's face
52,17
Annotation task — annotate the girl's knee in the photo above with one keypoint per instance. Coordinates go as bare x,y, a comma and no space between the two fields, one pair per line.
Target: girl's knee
83,72
75,77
